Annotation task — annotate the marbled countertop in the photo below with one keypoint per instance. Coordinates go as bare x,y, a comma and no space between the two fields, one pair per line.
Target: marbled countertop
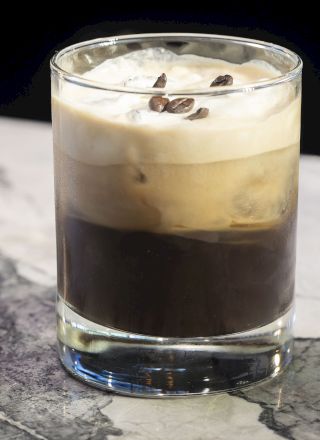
39,400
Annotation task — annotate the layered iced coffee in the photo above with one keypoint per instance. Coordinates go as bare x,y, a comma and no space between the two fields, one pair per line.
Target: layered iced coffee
176,212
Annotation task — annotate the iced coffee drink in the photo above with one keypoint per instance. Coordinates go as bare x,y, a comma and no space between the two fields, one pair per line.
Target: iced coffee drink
176,197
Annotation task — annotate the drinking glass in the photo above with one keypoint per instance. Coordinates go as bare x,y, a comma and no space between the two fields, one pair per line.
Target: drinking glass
176,244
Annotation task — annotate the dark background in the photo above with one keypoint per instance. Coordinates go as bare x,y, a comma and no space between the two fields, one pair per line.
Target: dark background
36,32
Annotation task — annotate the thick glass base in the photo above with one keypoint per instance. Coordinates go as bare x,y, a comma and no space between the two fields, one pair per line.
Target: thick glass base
141,365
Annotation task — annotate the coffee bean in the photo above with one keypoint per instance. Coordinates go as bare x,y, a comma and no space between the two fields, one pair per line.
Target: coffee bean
158,103
161,81
180,105
222,80
201,113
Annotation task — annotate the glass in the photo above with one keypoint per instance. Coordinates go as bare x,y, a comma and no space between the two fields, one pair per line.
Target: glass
176,246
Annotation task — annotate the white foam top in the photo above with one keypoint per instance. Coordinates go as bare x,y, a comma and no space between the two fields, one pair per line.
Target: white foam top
102,127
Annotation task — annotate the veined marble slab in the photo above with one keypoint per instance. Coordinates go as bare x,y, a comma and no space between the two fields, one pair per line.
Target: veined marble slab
39,400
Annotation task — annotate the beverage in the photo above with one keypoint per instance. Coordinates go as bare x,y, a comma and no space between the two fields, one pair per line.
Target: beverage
146,282
170,225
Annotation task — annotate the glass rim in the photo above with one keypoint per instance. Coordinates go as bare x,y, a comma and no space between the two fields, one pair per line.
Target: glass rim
219,90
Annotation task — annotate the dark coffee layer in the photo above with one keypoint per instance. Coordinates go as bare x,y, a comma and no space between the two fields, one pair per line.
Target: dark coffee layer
166,285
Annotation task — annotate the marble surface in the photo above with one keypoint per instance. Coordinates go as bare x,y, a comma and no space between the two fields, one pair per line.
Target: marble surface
39,400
